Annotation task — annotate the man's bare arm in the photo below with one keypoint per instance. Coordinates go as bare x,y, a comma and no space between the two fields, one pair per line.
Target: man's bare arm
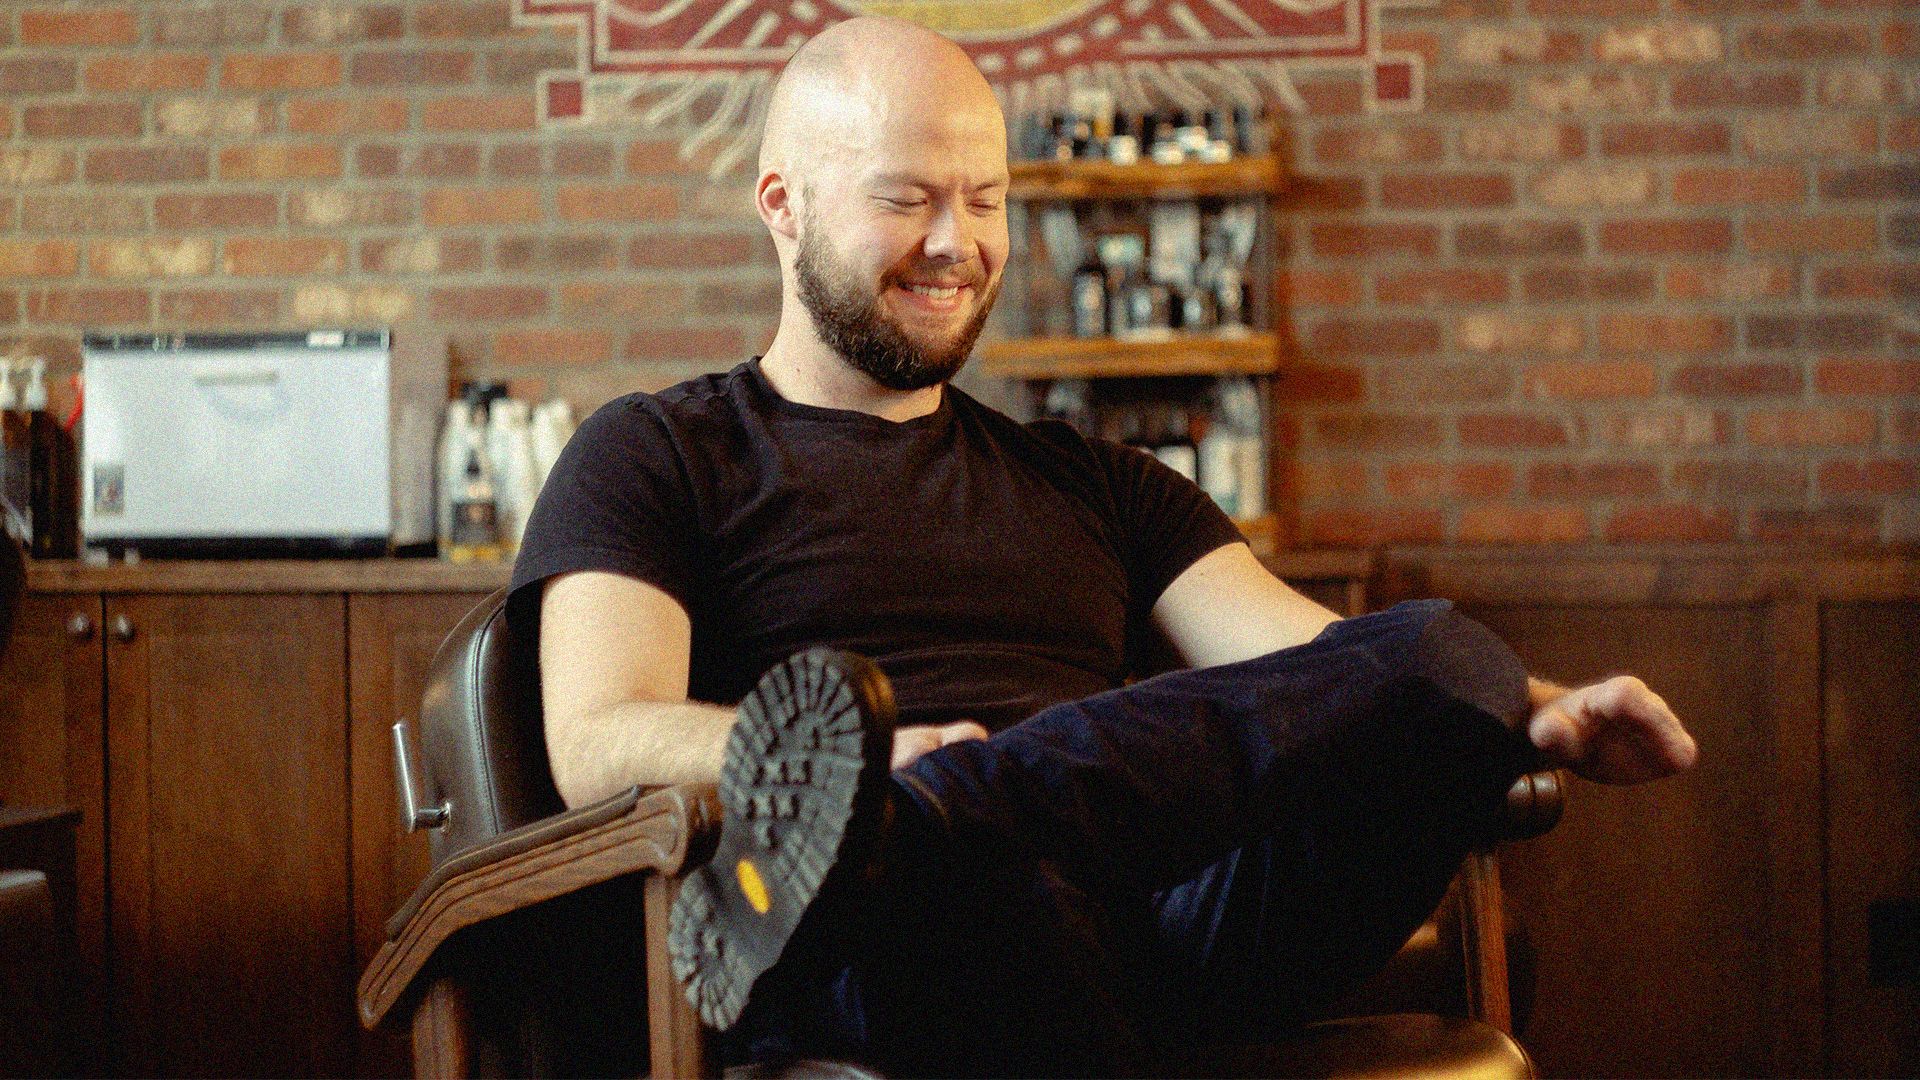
1227,607
614,655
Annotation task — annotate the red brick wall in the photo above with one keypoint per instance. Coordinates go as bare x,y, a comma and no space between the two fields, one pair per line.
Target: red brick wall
251,164
1639,270
1635,273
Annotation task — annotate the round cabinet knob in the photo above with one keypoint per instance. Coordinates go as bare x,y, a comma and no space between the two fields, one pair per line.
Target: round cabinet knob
122,628
79,626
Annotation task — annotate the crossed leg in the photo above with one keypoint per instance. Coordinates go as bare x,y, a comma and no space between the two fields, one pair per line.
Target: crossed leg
1214,850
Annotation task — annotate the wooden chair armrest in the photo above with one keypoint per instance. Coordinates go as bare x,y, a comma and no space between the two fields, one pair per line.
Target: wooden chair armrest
660,832
1535,804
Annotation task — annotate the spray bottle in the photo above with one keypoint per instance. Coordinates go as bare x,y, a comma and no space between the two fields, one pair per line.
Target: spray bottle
552,427
516,488
450,469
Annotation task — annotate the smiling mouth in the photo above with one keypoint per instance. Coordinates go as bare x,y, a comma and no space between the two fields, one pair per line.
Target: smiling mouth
936,292
935,301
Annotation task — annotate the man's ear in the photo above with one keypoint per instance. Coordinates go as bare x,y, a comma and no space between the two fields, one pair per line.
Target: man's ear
774,199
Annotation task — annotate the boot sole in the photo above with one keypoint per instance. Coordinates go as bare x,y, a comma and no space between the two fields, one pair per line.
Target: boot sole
802,790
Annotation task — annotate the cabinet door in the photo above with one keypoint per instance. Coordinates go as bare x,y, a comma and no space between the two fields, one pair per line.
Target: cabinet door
51,754
391,642
1870,690
228,824
1669,919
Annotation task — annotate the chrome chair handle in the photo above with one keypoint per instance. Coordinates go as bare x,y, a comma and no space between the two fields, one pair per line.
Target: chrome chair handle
411,786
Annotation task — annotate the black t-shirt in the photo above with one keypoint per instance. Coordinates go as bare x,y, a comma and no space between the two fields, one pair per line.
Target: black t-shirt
990,568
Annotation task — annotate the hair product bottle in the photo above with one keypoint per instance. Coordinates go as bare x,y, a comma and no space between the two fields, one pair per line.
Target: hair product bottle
476,517
450,469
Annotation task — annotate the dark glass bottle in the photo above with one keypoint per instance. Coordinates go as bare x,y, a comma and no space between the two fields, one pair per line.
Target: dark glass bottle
1090,300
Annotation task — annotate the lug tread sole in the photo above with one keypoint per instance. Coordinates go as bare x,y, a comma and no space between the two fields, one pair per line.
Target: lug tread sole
793,772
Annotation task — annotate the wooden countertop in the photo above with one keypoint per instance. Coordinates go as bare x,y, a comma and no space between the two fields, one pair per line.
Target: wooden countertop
432,575
1675,571
267,575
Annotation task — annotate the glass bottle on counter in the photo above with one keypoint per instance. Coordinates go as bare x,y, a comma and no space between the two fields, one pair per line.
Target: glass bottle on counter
450,469
510,443
475,535
552,425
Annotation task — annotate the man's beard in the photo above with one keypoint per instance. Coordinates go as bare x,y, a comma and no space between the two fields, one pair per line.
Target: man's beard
851,323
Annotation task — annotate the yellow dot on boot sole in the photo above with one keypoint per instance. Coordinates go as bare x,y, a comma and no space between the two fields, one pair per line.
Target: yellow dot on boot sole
752,885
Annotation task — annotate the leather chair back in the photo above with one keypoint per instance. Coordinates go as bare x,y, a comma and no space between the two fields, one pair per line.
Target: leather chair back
483,746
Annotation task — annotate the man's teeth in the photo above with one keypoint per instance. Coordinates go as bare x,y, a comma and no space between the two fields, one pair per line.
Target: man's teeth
937,292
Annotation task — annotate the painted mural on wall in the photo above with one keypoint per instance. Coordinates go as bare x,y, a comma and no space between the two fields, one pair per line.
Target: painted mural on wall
708,65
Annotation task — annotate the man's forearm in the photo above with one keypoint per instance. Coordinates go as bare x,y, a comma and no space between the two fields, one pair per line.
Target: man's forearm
638,742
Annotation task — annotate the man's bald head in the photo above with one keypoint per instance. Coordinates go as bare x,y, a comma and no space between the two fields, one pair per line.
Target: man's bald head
858,81
883,178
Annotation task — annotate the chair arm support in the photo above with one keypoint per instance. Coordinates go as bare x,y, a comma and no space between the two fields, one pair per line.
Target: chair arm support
1535,804
660,832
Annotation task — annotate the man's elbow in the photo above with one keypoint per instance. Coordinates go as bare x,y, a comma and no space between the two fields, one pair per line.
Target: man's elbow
572,776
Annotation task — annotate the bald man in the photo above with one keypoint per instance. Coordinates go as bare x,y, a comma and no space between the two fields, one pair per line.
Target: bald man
984,851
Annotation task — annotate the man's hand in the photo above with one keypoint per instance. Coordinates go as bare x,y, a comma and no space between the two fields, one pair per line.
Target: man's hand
1615,732
910,742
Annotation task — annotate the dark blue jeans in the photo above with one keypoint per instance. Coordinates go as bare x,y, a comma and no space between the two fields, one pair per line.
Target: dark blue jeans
1207,855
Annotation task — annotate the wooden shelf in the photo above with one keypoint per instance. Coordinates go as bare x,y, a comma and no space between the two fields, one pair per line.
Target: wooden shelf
1066,180
1111,358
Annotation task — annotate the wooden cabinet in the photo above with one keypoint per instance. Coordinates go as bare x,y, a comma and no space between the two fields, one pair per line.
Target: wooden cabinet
227,746
1871,705
232,726
227,833
1722,923
1680,898
53,754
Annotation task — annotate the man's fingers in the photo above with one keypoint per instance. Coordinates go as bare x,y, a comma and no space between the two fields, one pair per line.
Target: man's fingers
910,742
1556,732
1655,722
961,731
1615,731
916,739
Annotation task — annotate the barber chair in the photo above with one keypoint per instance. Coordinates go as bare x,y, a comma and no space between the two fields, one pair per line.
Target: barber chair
538,940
